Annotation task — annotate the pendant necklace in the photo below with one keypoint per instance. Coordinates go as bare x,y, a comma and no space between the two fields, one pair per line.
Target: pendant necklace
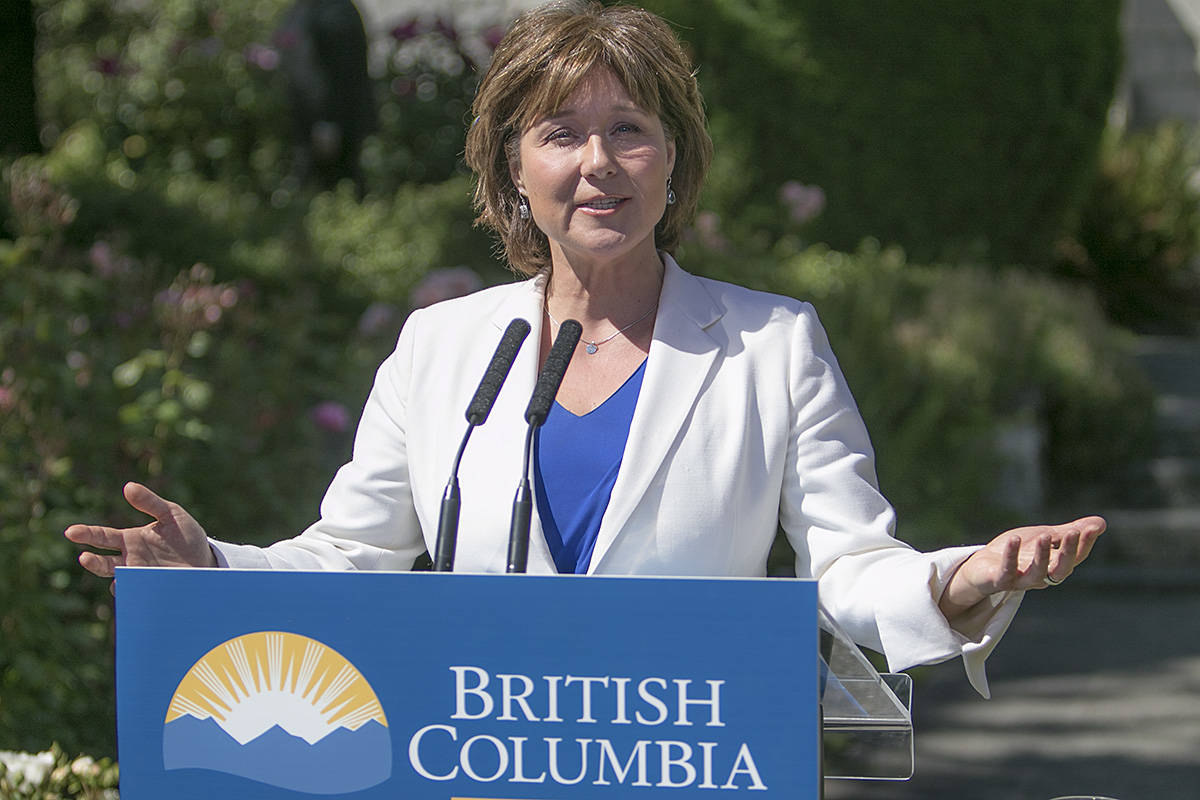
592,347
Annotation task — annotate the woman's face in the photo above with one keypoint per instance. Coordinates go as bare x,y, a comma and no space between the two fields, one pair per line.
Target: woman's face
595,173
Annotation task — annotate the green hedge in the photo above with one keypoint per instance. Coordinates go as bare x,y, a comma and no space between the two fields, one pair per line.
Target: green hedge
949,128
1137,237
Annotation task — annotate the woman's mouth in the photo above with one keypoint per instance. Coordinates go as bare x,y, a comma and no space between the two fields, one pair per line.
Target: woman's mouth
603,204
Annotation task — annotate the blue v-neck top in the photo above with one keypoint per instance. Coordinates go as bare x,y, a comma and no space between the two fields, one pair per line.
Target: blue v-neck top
575,466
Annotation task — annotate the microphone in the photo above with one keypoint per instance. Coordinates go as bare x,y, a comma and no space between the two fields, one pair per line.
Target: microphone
497,371
552,373
477,414
544,391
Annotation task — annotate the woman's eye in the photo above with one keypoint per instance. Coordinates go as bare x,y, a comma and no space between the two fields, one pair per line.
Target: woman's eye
628,127
561,135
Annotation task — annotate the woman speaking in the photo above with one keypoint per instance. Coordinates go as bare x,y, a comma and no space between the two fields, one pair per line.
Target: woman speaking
695,417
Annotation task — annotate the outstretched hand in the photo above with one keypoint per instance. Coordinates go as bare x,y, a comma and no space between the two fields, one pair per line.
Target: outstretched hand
1023,558
173,539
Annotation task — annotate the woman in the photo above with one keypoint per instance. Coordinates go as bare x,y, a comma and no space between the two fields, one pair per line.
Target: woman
694,418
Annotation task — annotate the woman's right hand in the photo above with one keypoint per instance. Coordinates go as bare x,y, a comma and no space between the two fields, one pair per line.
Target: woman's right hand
173,539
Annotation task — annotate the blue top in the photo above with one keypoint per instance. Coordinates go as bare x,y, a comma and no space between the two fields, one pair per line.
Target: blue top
575,463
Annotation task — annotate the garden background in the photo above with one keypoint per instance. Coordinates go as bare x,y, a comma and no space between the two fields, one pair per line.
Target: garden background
950,184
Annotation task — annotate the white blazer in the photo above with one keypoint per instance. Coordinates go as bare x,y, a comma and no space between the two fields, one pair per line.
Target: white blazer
744,422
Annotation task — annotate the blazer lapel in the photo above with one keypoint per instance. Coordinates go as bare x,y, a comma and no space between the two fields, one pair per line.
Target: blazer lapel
682,355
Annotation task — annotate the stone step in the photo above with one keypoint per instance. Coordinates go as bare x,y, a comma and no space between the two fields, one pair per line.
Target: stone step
1167,537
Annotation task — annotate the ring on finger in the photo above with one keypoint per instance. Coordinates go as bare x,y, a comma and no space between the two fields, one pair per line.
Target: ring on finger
1048,581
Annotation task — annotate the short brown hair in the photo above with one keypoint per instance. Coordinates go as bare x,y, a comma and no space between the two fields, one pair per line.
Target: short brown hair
539,62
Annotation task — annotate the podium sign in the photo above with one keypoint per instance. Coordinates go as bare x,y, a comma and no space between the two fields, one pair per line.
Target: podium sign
271,685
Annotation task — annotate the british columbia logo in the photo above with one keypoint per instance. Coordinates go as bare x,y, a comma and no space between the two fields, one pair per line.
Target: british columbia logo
281,709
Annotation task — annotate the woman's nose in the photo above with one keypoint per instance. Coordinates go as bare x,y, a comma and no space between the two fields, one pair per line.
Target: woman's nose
597,160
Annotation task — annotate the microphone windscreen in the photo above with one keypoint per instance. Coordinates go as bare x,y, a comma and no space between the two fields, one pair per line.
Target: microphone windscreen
497,371
557,361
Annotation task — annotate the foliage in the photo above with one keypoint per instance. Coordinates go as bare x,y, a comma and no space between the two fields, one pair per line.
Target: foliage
197,88
382,247
951,129
1137,241
939,356
125,354
430,76
170,84
53,775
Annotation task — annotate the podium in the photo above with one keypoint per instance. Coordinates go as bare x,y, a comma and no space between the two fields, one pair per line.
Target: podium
276,684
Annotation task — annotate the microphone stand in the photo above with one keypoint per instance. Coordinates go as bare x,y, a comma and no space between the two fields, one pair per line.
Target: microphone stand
522,513
544,391
477,414
447,535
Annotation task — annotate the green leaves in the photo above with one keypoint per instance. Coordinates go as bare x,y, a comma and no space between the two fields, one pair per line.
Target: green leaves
952,129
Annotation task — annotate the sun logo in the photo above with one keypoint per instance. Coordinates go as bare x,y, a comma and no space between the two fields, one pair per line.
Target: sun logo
282,709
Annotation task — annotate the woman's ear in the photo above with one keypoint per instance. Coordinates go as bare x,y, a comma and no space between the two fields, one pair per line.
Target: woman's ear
514,173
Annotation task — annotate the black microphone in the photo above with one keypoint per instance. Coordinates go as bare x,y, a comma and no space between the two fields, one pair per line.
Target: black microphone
544,391
477,414
552,372
497,371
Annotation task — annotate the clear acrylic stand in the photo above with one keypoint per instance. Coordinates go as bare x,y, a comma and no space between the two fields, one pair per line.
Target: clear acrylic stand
866,717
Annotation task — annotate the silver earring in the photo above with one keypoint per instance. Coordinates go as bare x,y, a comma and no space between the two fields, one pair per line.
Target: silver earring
670,192
522,207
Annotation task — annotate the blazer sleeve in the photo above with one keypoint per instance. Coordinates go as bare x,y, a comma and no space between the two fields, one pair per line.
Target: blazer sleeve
367,516
881,590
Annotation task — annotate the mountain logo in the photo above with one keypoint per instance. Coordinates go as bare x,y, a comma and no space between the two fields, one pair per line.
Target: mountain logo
281,709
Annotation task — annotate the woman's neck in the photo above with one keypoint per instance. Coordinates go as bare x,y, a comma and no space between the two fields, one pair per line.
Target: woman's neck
596,293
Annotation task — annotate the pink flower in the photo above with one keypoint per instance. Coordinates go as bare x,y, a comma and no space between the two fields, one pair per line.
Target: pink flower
107,262
444,284
707,231
330,416
446,28
493,35
379,319
402,87
109,65
192,300
803,202
406,30
286,38
101,257
260,55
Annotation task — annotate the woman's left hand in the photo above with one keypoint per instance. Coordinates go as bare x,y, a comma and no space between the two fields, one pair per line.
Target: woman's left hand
1023,558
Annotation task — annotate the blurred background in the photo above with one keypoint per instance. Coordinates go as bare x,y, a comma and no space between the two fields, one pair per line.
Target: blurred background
215,215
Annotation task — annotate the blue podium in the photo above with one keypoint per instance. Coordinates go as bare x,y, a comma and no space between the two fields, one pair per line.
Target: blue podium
444,686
